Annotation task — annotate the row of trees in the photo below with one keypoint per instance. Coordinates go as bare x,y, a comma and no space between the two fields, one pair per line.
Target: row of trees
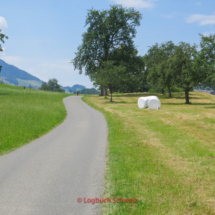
110,59
52,85
182,65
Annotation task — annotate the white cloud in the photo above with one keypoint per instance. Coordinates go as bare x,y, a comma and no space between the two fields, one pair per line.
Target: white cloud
3,22
201,19
135,3
208,33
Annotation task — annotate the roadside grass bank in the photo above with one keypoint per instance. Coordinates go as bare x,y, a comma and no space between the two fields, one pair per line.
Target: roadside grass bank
26,114
164,158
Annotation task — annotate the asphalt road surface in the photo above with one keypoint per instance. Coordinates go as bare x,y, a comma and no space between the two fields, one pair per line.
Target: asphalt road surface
48,175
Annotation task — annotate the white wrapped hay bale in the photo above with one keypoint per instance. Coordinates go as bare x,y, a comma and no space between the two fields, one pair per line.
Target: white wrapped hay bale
154,104
143,102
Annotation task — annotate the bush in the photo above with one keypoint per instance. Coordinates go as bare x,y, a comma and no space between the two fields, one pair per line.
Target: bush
174,89
153,91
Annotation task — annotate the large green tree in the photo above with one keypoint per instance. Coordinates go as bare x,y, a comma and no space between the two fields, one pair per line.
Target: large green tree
109,75
107,30
205,60
152,59
2,37
184,67
133,78
130,79
158,60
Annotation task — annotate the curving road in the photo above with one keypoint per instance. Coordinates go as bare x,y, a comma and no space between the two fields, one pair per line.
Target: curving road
46,176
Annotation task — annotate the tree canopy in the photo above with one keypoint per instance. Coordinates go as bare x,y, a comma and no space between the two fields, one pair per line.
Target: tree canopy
205,61
158,60
109,75
52,85
107,31
170,65
108,56
186,75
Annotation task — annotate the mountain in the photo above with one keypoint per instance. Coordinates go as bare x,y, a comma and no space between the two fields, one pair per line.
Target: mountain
89,91
14,75
75,87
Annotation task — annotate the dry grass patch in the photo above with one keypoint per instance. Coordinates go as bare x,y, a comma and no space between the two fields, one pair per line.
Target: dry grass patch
164,158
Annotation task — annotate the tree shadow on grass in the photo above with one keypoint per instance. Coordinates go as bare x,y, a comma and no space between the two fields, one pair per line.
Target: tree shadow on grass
175,95
134,95
121,102
189,104
159,96
184,98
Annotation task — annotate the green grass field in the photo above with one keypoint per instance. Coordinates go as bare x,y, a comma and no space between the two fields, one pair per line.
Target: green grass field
165,158
26,114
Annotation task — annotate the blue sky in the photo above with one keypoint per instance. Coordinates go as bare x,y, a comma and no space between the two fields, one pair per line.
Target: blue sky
44,34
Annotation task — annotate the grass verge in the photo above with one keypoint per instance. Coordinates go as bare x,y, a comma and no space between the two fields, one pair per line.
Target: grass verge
26,114
164,158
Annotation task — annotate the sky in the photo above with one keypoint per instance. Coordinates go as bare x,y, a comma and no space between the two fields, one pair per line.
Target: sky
45,34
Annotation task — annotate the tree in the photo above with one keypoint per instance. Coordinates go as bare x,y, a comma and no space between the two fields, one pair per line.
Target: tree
152,60
133,77
2,37
52,85
183,63
109,75
107,31
205,60
44,86
158,60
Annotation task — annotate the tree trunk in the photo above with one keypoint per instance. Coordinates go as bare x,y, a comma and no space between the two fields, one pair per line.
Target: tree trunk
169,92
102,92
187,96
162,91
111,94
111,91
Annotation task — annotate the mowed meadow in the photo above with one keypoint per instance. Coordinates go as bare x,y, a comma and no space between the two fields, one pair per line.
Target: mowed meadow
26,114
165,158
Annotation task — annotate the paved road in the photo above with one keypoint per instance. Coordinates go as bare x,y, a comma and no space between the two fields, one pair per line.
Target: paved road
47,176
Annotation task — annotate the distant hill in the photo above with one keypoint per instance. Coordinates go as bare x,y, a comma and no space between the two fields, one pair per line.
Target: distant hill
89,91
75,87
12,74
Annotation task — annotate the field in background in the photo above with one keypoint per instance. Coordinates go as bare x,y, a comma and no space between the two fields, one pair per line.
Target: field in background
27,83
26,114
164,158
